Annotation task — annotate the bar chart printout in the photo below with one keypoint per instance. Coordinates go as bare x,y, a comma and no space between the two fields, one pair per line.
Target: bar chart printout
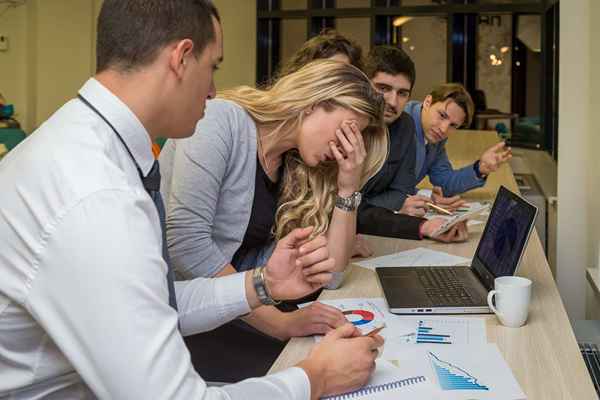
428,334
451,377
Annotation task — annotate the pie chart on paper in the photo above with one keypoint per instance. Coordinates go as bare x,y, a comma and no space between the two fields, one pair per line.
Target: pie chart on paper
359,317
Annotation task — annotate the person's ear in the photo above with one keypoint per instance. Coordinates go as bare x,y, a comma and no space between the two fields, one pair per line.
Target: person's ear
309,110
427,101
180,54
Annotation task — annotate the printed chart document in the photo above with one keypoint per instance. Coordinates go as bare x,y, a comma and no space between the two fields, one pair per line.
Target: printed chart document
461,372
418,257
403,330
387,383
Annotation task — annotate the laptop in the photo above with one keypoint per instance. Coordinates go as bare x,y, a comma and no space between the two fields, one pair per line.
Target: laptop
463,290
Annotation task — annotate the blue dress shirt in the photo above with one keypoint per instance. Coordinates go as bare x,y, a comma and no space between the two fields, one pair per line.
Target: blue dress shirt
432,160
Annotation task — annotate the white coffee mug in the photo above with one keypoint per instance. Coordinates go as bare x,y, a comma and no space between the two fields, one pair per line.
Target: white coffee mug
513,294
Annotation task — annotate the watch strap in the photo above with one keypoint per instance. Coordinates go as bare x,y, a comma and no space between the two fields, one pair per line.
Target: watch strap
260,286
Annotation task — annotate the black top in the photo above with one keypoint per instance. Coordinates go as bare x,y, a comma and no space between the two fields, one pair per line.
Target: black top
388,189
396,179
262,219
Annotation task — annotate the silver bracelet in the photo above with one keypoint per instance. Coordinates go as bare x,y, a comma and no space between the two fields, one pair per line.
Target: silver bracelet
260,286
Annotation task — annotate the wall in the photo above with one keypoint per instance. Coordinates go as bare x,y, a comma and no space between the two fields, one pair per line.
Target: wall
50,55
426,46
357,29
63,45
239,35
52,52
293,35
13,63
578,172
593,168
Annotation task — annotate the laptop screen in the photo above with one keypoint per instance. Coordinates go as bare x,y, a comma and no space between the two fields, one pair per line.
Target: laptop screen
505,235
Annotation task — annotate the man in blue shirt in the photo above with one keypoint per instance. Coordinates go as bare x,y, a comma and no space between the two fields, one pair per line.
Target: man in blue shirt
448,108
390,206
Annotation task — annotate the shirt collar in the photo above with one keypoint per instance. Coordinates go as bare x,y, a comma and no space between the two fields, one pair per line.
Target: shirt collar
414,109
124,120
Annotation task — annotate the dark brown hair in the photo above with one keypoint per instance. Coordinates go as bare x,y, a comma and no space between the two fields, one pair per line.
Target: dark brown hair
131,32
390,60
327,44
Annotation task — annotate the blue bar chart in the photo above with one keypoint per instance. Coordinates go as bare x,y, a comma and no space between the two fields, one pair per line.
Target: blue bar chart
452,377
429,334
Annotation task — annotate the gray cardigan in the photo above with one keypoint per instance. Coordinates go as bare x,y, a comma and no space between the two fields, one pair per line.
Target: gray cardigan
208,186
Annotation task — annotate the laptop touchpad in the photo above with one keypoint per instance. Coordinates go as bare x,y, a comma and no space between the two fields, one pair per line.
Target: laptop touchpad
404,288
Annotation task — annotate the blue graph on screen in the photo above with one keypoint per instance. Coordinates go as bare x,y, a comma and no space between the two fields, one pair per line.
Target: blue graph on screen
452,377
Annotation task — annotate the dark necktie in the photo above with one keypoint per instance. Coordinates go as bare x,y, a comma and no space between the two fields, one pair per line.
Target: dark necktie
152,186
428,148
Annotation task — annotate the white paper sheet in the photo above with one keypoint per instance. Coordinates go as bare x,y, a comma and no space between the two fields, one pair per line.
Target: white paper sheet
387,383
461,372
402,330
414,258
468,208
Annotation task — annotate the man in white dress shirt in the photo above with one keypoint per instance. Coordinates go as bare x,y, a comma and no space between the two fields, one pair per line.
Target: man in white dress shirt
84,295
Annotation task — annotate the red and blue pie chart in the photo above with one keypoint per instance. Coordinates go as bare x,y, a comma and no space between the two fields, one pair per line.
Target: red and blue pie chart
359,317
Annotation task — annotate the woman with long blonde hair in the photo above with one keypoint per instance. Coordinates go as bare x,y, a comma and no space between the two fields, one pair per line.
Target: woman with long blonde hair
265,161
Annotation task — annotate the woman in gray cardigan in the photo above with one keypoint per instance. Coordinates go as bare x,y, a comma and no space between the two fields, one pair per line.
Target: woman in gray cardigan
263,162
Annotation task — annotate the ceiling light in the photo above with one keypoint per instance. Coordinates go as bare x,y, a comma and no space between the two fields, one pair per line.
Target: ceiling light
399,21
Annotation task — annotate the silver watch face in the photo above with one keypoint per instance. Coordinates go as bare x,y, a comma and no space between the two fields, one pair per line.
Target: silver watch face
357,197
349,203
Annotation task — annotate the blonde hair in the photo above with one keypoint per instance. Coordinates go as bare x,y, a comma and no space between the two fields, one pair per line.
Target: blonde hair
308,193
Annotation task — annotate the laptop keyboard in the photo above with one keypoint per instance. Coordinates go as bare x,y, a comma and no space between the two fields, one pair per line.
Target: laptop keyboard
443,287
591,356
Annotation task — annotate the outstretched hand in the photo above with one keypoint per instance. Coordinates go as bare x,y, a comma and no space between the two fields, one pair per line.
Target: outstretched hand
494,157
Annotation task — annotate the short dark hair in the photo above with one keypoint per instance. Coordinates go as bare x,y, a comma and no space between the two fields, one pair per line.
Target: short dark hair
325,45
390,60
131,32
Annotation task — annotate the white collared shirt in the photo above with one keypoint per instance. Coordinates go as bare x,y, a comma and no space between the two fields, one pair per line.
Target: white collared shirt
84,307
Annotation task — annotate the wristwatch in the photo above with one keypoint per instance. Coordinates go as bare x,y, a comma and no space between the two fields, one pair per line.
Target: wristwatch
348,203
258,280
478,171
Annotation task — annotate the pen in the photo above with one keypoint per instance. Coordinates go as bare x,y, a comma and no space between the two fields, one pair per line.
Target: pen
439,209
375,331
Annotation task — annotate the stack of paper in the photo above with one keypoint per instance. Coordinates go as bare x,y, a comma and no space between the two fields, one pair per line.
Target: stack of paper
442,357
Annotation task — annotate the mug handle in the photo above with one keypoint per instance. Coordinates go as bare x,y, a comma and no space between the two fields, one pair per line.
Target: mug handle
491,303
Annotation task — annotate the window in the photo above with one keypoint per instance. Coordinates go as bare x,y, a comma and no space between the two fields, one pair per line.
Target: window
499,49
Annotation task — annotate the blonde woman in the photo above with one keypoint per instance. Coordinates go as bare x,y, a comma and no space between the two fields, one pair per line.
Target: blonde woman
263,162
